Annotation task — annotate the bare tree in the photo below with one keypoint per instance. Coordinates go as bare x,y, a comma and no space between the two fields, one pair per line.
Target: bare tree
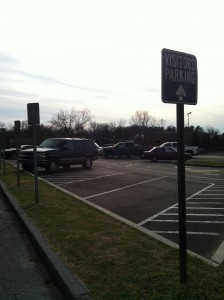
24,125
212,131
141,120
70,122
2,125
121,123
162,123
83,117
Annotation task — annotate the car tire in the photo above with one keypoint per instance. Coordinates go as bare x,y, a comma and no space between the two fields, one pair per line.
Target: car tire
154,159
27,167
14,156
110,155
52,166
190,152
87,164
67,166
141,156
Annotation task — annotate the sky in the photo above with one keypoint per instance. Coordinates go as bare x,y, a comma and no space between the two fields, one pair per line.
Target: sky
105,55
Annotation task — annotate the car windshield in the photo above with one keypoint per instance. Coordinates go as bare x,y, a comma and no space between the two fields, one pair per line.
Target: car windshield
52,143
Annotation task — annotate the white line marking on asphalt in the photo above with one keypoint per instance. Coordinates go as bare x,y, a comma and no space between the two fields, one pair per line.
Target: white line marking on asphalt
63,181
188,221
98,177
212,194
188,232
210,215
156,215
201,191
125,187
173,206
92,178
202,202
208,198
211,208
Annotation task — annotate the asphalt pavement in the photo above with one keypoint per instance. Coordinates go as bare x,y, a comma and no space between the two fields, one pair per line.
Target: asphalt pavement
29,267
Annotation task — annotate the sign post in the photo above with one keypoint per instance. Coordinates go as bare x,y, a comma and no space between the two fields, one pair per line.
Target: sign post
3,147
181,194
33,120
17,134
179,86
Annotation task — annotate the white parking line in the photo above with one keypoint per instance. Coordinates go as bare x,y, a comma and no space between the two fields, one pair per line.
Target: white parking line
173,206
202,208
203,202
210,215
188,221
99,177
124,187
75,179
210,194
201,198
189,232
156,215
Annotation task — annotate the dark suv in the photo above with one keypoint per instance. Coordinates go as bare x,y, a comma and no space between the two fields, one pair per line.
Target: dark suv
55,152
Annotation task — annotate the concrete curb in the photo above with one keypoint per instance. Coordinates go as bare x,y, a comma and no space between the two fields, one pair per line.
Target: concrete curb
69,284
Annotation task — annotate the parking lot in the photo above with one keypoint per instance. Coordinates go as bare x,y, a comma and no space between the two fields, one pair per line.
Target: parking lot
145,194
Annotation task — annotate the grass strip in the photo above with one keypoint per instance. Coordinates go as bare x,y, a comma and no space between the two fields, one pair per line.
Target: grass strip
113,260
205,163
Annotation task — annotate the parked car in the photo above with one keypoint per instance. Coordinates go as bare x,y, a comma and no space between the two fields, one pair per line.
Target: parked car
163,153
55,152
10,153
193,150
128,148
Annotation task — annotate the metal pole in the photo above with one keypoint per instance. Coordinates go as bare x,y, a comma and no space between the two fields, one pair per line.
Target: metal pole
1,153
188,133
3,147
17,133
35,164
181,194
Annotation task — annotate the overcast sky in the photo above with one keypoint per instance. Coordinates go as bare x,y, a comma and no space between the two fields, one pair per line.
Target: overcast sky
105,55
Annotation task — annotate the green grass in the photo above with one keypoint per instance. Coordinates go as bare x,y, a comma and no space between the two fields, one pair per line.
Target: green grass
205,163
113,260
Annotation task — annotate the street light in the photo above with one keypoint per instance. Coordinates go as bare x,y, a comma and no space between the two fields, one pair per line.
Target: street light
188,114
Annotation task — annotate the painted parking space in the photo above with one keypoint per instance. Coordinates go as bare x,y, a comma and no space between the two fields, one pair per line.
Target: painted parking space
205,222
148,198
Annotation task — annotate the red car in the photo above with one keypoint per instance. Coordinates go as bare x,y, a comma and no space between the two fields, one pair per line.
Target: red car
163,153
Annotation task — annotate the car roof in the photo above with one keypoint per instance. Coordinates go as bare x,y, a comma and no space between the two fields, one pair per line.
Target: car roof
66,138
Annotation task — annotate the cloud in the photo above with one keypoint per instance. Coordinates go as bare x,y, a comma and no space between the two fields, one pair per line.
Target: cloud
6,58
48,80
152,90
14,93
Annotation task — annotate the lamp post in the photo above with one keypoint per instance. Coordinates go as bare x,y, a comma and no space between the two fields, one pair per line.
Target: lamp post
188,132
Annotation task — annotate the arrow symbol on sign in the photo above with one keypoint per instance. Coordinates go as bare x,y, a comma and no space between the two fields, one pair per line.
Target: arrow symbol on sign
181,93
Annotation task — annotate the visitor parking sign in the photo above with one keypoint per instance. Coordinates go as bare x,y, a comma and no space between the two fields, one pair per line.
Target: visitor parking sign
179,77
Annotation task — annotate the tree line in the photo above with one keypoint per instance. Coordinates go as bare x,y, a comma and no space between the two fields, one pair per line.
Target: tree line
141,128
